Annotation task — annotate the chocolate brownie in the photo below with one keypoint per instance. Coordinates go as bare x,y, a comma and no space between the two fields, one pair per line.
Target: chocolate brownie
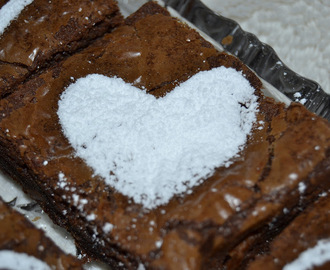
45,31
196,229
20,240
303,244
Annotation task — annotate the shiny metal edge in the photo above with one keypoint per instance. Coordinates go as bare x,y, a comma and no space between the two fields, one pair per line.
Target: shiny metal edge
260,57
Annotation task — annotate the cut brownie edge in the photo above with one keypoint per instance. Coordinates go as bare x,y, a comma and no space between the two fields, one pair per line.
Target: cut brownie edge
59,30
302,235
19,236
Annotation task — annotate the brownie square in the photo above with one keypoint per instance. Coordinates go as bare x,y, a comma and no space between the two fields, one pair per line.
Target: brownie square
198,229
46,31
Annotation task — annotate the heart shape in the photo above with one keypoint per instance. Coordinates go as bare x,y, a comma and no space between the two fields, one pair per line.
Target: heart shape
152,149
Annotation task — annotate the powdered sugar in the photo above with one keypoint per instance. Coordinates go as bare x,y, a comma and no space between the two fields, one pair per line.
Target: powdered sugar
316,256
107,228
151,149
14,260
10,11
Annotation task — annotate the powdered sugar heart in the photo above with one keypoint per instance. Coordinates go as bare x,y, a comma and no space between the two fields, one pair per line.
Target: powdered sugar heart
10,11
152,149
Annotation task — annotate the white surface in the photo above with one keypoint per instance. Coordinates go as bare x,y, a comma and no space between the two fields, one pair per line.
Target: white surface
298,30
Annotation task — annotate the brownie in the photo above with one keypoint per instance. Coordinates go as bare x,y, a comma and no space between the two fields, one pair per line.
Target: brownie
20,236
46,31
198,229
307,231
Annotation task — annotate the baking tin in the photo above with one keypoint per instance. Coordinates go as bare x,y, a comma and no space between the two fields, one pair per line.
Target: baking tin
260,57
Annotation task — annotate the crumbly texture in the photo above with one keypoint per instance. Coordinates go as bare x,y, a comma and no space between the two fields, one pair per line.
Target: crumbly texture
19,235
46,31
156,52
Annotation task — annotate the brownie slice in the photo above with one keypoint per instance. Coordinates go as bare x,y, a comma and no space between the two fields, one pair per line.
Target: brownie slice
20,236
155,52
304,234
46,31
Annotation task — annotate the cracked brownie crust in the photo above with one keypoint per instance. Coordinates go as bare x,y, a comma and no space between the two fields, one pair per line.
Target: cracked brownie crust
197,231
284,249
47,31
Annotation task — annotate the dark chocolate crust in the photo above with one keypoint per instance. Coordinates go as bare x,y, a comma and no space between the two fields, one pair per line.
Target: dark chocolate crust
46,31
20,235
197,231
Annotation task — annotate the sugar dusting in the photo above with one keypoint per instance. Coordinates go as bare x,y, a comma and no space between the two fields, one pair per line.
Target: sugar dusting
316,256
151,149
10,11
13,260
